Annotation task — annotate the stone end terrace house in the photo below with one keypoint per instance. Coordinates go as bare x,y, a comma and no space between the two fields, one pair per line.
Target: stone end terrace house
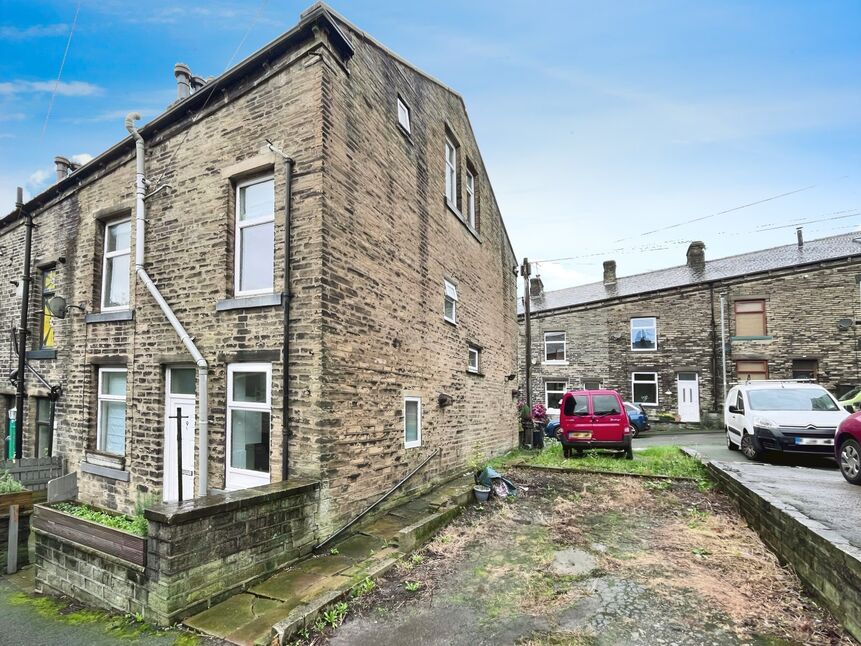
388,250
790,312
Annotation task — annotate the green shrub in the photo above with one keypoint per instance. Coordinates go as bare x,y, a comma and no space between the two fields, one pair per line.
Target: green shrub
8,484
136,524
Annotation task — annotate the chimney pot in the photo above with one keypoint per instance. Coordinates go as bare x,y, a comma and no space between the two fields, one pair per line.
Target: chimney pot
800,236
63,166
536,287
182,72
609,272
197,82
697,255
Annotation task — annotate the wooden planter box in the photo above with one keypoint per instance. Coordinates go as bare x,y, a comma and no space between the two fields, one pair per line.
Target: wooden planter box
115,542
24,500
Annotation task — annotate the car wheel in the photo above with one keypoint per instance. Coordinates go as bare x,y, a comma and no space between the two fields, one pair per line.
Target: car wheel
729,443
635,431
566,452
748,447
579,453
850,461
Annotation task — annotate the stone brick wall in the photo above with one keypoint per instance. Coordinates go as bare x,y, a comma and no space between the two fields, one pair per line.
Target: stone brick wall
390,240
824,561
198,552
803,306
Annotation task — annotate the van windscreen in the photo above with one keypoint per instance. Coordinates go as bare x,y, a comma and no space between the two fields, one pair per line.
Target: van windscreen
577,405
797,399
605,405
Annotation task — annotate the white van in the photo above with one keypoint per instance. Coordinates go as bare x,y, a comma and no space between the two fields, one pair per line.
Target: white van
782,417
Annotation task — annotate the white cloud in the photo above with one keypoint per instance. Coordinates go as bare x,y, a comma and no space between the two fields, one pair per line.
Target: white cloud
115,115
81,158
12,116
38,178
33,31
64,88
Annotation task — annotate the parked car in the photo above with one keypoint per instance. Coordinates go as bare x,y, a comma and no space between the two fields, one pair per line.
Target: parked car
594,419
551,428
638,418
847,448
781,416
851,400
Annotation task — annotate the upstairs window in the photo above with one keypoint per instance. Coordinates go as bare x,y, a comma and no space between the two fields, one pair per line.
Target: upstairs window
404,115
474,359
255,237
450,307
554,347
111,422
750,318
412,422
470,199
450,172
115,266
46,324
644,334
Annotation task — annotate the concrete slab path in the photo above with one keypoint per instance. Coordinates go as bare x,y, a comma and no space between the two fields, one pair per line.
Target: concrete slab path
291,599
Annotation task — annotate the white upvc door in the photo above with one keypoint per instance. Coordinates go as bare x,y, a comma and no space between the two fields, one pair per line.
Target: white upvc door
688,396
177,400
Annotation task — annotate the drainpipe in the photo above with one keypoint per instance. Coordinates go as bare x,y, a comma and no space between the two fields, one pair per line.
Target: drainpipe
23,329
285,390
723,340
184,337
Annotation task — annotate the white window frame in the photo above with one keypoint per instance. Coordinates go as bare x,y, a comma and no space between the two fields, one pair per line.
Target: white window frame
404,115
556,362
109,255
418,441
470,199
100,431
554,411
235,478
450,171
237,239
641,381
473,351
450,294
633,327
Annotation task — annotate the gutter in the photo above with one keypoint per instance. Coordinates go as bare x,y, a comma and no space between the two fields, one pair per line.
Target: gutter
184,337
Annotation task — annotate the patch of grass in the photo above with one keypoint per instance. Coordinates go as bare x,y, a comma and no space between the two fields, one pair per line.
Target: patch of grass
655,460
137,524
8,484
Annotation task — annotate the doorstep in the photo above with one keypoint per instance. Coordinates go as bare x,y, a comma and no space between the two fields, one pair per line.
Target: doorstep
290,600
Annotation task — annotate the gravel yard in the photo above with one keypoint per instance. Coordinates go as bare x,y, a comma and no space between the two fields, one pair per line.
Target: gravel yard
590,559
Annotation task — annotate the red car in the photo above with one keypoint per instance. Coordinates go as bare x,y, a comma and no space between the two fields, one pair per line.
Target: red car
594,419
847,448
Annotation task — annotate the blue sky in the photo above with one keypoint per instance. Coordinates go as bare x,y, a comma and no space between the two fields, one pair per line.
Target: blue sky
599,122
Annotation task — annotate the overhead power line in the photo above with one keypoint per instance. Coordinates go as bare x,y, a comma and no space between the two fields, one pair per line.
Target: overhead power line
60,73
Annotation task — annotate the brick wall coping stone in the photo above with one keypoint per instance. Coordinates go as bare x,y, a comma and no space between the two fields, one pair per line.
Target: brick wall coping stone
174,513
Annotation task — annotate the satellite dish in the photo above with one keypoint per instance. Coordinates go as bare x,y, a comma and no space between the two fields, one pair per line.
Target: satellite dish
57,307
844,325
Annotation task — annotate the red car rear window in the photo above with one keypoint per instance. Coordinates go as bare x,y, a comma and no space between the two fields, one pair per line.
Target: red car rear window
576,405
605,405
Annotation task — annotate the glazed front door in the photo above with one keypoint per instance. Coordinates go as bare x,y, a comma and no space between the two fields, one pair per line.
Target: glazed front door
180,396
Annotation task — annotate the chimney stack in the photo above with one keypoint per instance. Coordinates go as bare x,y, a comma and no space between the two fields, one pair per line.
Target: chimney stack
183,80
800,237
697,255
19,197
609,272
63,166
536,287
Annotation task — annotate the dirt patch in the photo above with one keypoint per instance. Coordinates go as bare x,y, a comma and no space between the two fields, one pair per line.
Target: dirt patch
673,564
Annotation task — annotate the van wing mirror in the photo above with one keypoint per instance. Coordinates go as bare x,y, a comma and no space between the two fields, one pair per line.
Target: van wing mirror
733,409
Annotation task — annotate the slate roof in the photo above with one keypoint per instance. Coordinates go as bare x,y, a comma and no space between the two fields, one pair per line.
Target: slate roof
764,260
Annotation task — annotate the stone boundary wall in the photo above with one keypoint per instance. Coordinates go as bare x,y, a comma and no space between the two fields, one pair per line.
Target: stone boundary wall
34,473
198,552
823,559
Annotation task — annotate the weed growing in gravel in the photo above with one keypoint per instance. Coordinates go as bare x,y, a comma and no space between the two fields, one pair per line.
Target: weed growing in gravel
363,587
412,586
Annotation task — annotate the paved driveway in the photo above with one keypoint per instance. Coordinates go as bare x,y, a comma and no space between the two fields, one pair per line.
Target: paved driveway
813,486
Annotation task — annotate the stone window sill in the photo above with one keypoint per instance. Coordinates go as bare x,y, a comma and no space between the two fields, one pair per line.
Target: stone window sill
475,373
555,363
406,133
42,354
752,338
105,465
108,317
248,302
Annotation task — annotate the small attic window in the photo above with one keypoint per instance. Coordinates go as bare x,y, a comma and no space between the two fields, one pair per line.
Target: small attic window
404,115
